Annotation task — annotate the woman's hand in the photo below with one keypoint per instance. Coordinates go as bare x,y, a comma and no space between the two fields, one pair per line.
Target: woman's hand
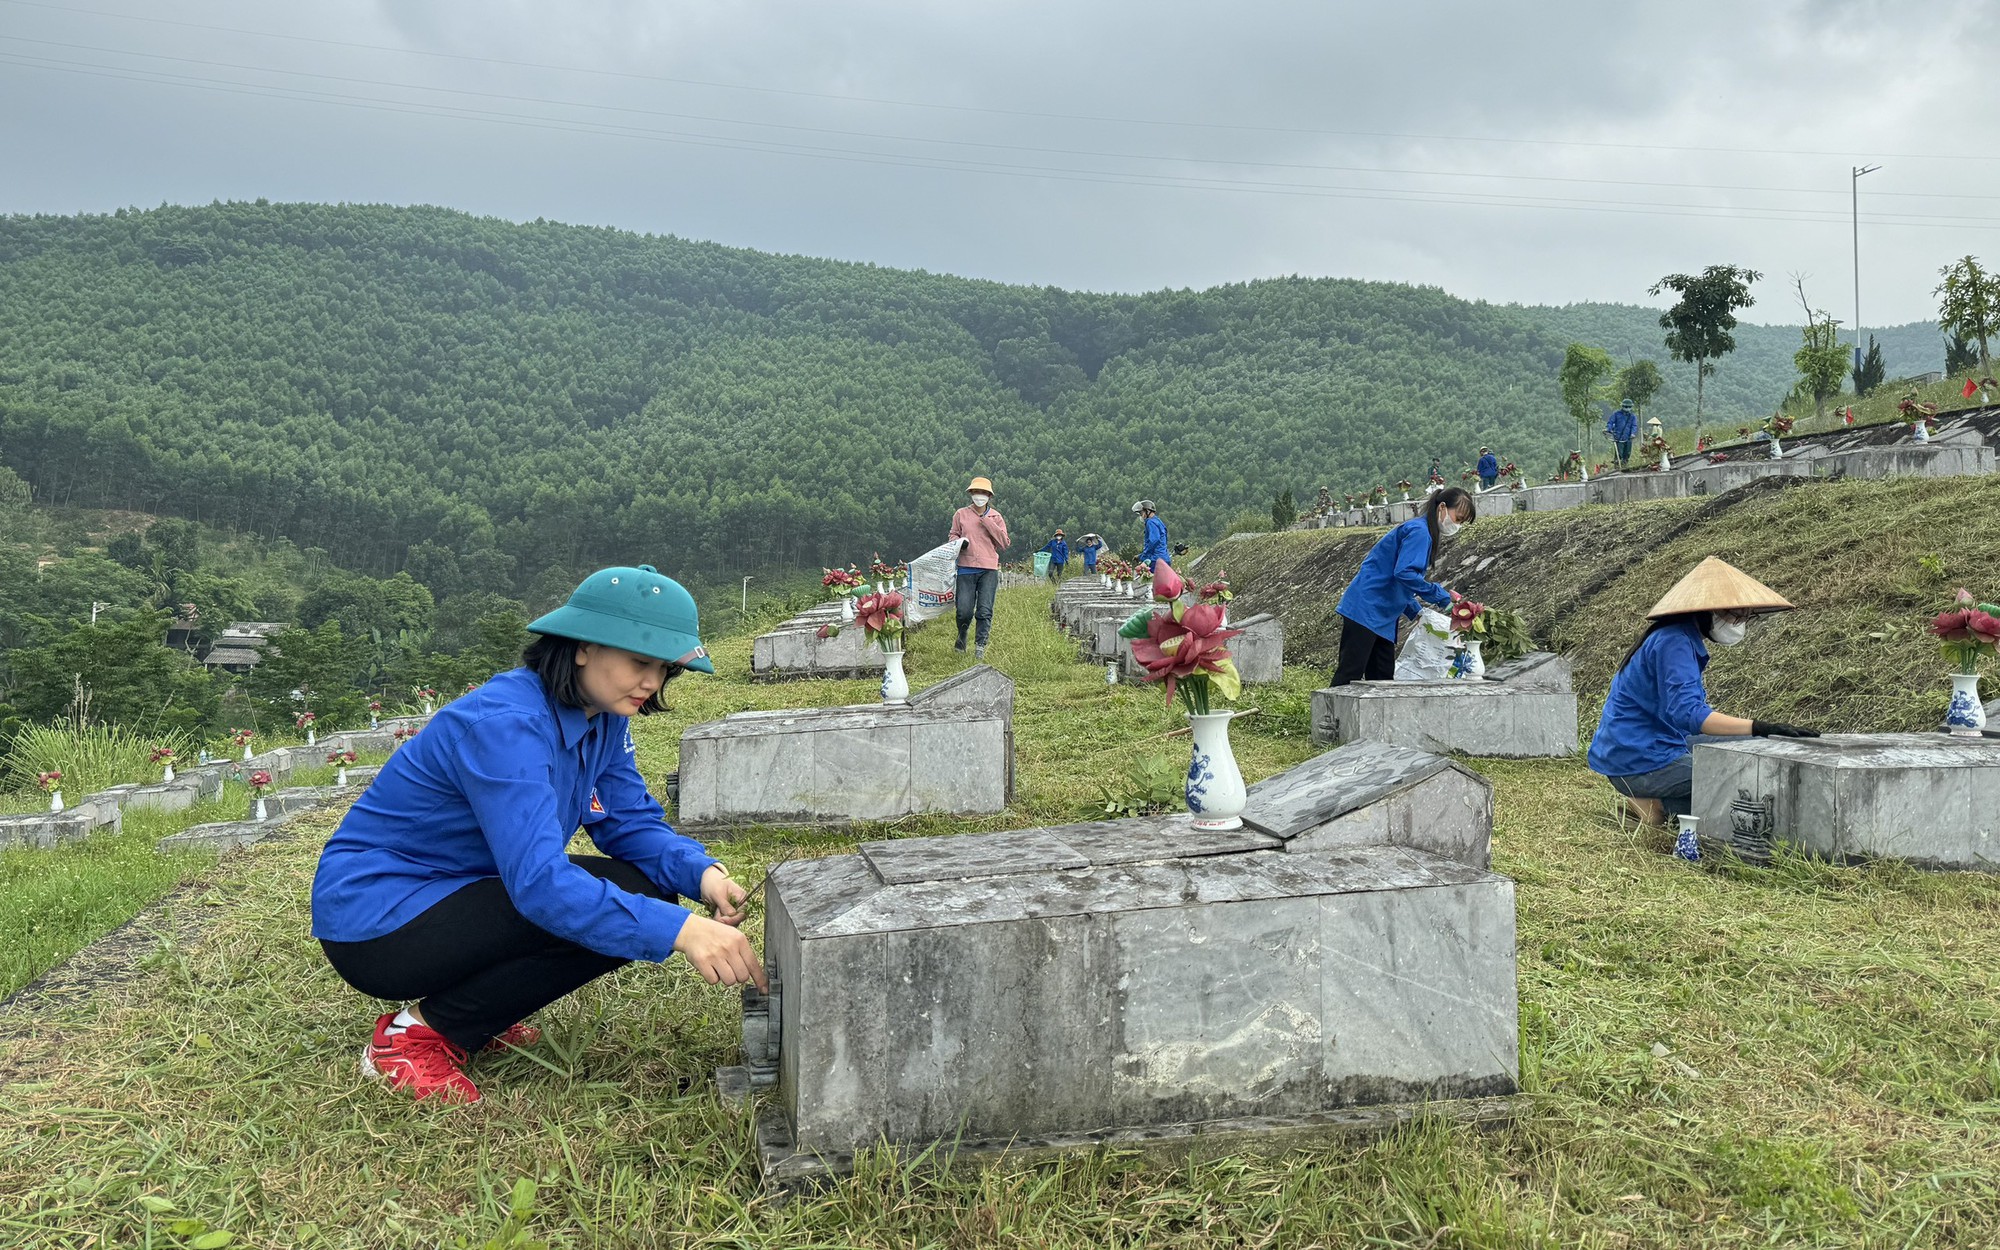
721,954
722,895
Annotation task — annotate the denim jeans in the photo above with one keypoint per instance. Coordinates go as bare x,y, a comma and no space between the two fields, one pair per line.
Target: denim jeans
1487,483
1624,450
975,600
1672,785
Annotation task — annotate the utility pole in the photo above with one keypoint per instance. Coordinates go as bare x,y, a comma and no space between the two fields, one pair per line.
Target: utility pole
95,608
1854,188
746,596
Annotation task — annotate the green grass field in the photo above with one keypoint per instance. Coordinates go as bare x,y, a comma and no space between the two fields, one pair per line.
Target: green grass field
1807,1057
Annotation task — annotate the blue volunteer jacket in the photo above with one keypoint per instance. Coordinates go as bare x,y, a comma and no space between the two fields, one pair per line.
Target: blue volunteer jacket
493,787
1621,425
1392,579
1156,542
1058,552
1090,551
1657,702
1489,465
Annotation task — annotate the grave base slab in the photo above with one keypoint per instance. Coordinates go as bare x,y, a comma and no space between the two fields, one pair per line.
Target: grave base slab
1522,710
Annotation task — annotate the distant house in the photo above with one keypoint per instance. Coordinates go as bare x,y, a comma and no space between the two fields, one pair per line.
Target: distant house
184,634
241,646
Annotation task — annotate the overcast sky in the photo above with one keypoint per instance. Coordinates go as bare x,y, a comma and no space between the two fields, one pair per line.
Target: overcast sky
1550,152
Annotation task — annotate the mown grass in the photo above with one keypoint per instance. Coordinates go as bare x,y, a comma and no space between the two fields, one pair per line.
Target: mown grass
55,902
1803,1057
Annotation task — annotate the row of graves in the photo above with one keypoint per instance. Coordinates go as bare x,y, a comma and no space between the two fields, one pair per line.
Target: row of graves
1337,956
1959,444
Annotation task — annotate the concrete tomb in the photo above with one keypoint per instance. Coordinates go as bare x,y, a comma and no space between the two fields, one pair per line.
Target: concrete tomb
1259,650
949,751
795,649
1929,799
1343,956
1522,709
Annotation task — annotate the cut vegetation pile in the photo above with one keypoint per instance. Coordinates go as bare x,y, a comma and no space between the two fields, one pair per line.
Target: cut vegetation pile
1867,563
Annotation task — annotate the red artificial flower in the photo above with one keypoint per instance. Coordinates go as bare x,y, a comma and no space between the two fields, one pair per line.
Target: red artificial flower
1174,650
160,755
1167,584
874,612
1465,613
337,758
1984,628
260,780
49,780
825,631
1953,626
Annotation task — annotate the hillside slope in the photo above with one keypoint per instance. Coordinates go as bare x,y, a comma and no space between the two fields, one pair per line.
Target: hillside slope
499,407
1851,555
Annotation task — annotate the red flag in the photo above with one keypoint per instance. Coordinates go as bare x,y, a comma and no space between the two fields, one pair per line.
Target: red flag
1850,417
1971,388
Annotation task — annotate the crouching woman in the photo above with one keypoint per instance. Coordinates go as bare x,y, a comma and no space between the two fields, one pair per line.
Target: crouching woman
449,884
1658,701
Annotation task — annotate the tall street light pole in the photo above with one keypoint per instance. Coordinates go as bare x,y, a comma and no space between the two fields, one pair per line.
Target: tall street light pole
1854,187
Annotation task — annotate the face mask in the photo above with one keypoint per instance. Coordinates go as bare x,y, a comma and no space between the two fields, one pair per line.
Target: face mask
1728,633
1448,527
980,501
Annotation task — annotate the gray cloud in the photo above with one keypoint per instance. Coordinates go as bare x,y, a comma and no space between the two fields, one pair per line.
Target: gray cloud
1017,166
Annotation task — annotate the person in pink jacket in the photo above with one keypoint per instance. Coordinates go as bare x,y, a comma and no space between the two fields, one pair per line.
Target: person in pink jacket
982,535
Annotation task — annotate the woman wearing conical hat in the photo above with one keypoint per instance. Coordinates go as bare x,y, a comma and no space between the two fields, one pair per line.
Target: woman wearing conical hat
1657,700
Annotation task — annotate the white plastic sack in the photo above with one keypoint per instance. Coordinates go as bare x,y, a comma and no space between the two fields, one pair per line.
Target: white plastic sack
933,583
1425,656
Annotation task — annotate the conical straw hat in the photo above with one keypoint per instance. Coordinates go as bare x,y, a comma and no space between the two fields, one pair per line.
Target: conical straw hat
1718,586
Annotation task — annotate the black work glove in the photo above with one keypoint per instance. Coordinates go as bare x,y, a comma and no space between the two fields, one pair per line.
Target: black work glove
1778,729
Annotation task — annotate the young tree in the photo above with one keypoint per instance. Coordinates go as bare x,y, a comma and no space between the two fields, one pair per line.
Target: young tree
1583,369
1871,373
1969,304
1284,510
1821,360
133,680
1960,356
1638,382
1698,326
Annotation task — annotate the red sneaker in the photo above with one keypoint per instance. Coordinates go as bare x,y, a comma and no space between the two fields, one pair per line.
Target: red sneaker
420,1060
515,1037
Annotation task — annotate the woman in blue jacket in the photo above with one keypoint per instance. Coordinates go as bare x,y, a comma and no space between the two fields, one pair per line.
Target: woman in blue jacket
1393,580
1658,701
448,884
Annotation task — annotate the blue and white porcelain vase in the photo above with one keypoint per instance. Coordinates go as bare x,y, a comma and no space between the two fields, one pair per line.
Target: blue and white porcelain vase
1685,845
1215,793
1965,718
895,686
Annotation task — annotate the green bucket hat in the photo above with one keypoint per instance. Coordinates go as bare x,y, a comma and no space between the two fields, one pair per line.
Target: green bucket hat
638,610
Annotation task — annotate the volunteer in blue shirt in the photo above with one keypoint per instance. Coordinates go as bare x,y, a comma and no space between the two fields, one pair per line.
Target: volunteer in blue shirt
1394,578
1155,549
448,884
1658,701
1058,556
1489,469
1090,546
1622,425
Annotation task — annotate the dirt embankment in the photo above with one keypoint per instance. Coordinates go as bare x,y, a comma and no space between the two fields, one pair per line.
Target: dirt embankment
1867,563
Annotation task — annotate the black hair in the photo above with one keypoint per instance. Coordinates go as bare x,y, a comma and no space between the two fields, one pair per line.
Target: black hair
1704,621
552,658
1449,497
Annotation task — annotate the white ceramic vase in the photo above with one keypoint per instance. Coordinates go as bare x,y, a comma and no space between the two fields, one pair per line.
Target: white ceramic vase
373,722
312,738
1215,792
1686,845
340,775
1965,717
1666,460
258,813
1920,432
55,801
168,773
895,686
1777,448
246,752
846,608
1111,673
1475,664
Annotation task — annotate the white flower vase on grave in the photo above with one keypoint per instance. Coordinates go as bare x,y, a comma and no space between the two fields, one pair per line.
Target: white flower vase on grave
312,739
846,608
373,723
1686,846
169,773
340,775
1666,461
1965,717
1111,673
1215,793
427,707
895,686
1225,617
55,800
1777,448
258,813
1475,664
246,752
1920,432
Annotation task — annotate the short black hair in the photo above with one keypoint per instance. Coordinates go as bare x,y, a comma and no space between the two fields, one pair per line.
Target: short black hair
552,658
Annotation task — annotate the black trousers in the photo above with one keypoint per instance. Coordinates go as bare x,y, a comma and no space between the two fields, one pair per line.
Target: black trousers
476,963
1364,655
975,601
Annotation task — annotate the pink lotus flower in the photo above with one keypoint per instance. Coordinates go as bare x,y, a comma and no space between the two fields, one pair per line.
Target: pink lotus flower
1984,628
1186,645
1953,626
49,780
1167,584
338,758
1465,614
260,781
825,631
160,755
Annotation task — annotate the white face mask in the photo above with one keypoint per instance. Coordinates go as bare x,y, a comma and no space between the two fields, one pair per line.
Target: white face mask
1447,526
980,501
1728,633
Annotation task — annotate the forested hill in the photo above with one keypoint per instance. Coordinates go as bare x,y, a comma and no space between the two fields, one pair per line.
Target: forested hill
501,406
